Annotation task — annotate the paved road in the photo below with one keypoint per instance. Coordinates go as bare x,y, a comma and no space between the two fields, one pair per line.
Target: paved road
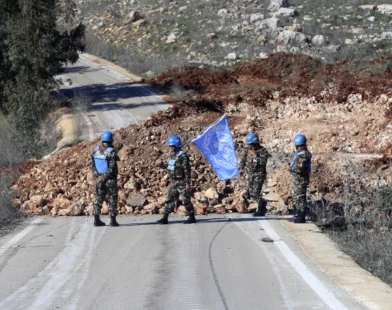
113,100
66,263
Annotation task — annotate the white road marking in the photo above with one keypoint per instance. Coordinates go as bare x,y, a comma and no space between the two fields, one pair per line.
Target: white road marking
62,276
19,236
316,285
252,231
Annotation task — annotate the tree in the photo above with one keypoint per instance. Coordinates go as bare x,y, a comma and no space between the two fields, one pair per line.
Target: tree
33,52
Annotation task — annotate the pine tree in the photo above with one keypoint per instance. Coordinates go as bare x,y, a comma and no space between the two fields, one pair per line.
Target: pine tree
33,51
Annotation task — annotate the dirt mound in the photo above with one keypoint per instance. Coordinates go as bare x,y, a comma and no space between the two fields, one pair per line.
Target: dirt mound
277,98
284,75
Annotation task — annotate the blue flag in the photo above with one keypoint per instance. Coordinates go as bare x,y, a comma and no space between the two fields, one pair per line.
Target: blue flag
216,143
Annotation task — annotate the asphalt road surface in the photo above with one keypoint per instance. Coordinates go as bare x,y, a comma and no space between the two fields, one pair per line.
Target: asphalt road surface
219,263
107,99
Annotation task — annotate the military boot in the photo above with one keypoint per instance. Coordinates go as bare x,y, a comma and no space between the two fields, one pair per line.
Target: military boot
191,219
97,221
113,221
164,220
262,209
300,217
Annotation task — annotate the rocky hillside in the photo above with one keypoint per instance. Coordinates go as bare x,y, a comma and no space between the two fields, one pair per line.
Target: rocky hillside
346,118
148,36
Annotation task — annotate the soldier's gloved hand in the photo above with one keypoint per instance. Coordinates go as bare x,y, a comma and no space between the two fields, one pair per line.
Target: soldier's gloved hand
242,172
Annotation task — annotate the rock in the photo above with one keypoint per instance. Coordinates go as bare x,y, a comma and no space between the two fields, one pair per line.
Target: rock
161,200
46,210
371,19
182,9
386,35
289,37
318,40
222,13
275,5
241,206
28,207
149,207
200,197
211,193
270,24
181,210
287,12
38,200
382,8
89,210
131,17
54,211
136,200
209,36
227,201
77,209
65,212
263,55
138,23
199,210
49,186
348,41
220,209
231,56
105,209
171,38
255,17
62,203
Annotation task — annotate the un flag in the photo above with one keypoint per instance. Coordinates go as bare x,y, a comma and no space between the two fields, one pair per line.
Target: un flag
216,143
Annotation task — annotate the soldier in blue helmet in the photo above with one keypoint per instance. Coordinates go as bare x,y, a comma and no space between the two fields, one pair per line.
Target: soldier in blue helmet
254,160
104,165
179,170
300,168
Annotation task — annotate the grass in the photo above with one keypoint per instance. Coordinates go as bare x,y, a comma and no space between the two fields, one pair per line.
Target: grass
362,227
9,156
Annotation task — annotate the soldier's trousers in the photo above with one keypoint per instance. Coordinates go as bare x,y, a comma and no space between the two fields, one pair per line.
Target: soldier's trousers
108,187
177,191
299,195
255,185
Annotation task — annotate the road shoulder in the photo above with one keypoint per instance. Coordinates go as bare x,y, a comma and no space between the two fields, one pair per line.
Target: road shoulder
365,288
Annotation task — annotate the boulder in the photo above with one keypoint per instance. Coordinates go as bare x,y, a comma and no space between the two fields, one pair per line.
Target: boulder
136,200
211,193
38,200
222,13
275,5
256,17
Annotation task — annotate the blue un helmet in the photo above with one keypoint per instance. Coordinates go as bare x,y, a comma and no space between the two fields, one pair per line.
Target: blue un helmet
174,141
252,138
299,139
107,136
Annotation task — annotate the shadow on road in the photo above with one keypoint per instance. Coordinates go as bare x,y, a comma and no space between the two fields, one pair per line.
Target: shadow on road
212,220
106,93
80,70
117,106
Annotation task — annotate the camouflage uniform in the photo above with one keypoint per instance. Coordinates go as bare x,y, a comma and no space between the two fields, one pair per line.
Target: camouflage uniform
179,178
256,167
300,169
109,185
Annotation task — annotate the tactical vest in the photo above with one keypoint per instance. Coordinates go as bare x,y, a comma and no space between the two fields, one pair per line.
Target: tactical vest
256,166
172,166
101,160
295,160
